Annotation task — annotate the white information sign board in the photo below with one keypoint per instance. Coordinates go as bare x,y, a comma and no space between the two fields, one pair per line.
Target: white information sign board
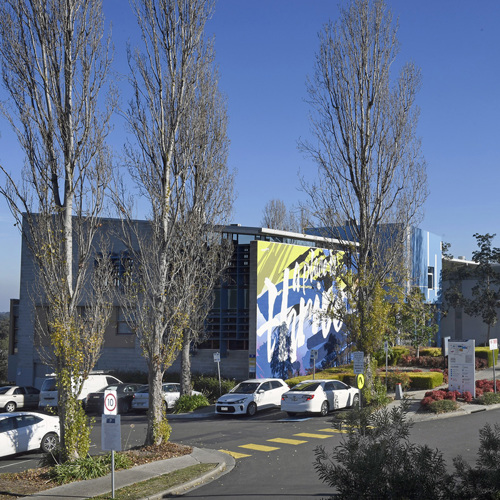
493,344
359,362
111,433
216,357
462,366
110,403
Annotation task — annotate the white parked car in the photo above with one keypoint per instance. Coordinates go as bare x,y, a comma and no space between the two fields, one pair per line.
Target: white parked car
13,397
94,382
319,396
25,431
252,395
171,393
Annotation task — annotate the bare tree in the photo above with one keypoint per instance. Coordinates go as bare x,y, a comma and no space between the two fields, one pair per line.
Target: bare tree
276,216
54,67
372,178
178,162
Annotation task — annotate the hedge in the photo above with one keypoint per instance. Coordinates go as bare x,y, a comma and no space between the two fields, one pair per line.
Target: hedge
430,351
425,380
347,378
487,354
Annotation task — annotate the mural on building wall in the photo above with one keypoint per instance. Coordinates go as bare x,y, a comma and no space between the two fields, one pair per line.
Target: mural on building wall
294,286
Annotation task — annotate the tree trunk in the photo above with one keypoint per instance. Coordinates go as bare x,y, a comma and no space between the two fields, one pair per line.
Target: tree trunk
186,364
156,407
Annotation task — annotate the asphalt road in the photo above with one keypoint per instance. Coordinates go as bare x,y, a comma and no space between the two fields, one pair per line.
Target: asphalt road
275,454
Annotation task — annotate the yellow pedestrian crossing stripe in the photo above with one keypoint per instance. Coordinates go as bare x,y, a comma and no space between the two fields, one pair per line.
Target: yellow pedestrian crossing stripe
287,441
310,435
235,454
334,431
258,447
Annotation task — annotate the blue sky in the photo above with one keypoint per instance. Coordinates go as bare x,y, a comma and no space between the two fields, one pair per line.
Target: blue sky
265,50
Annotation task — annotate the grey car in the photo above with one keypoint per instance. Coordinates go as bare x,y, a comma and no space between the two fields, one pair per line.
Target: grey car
13,397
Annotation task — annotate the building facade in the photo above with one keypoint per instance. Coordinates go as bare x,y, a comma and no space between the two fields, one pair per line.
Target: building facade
268,317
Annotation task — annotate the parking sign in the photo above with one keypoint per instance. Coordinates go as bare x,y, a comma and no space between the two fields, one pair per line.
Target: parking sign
110,403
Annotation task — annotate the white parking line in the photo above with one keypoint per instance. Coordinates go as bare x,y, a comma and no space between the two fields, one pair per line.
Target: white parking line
17,463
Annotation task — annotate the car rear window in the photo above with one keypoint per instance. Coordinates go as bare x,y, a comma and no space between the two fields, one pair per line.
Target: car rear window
306,387
3,390
49,384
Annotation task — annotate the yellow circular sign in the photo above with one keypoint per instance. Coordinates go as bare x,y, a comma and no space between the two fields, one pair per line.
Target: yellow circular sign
360,380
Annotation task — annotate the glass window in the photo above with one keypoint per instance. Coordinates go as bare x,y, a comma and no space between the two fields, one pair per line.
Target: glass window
430,278
232,299
7,424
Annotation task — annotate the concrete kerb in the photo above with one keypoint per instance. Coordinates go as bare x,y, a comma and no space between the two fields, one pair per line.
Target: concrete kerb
128,477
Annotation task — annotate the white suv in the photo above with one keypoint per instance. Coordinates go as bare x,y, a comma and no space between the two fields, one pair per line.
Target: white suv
252,395
94,383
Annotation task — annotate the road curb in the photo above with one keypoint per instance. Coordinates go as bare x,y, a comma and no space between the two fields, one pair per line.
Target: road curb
225,465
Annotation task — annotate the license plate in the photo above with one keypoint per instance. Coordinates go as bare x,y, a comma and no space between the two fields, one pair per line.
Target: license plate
224,408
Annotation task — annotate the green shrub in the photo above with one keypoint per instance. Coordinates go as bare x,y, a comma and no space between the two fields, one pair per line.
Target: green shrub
399,351
347,378
487,354
425,380
187,403
397,377
489,398
431,351
378,398
393,355
376,459
482,481
443,406
209,386
88,468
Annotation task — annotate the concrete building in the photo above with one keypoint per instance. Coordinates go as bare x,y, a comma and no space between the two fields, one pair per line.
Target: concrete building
266,319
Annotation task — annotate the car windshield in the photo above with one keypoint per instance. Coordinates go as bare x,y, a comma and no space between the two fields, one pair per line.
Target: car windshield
3,390
307,387
245,388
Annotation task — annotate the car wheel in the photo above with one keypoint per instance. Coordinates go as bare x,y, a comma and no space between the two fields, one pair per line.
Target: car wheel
355,401
251,409
10,406
291,413
324,409
49,442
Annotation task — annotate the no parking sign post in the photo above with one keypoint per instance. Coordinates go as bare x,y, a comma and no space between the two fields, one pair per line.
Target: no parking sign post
111,437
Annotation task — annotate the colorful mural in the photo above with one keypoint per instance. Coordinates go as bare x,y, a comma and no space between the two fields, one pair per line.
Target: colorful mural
294,287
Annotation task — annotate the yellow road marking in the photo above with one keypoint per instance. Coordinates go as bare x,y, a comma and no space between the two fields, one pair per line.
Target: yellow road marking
309,435
234,454
287,441
336,431
258,447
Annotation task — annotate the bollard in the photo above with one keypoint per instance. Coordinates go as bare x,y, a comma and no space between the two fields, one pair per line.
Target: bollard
399,391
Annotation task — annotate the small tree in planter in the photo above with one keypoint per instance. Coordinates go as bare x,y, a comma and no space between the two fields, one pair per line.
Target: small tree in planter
418,320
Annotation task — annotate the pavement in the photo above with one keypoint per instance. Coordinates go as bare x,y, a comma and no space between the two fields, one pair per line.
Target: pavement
224,462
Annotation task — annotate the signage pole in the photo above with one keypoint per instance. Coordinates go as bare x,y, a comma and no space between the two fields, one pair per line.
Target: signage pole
111,431
386,347
493,347
112,473
314,357
217,360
